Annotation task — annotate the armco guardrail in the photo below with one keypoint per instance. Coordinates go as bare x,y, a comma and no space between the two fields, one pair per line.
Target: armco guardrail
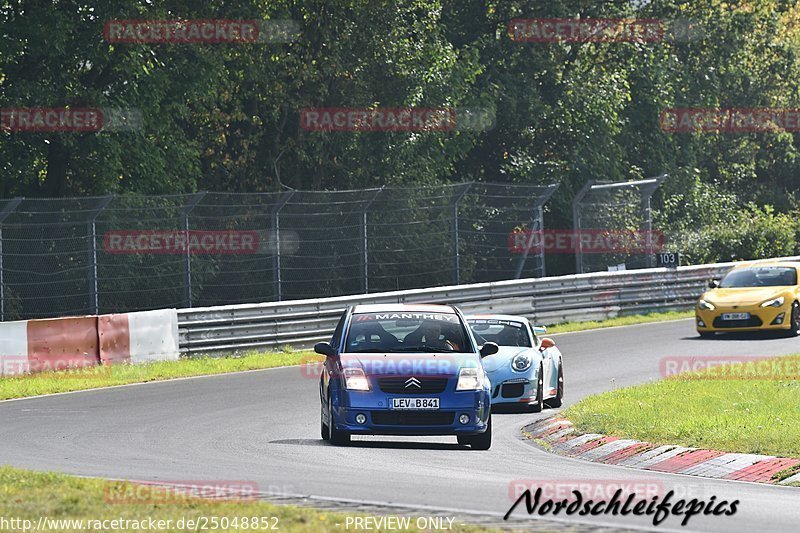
301,323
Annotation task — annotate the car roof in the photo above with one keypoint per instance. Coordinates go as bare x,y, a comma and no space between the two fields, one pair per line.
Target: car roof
404,308
795,264
513,318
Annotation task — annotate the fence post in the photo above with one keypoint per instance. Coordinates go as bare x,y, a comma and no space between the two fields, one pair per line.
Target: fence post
576,225
537,222
7,210
91,231
461,190
648,228
364,255
187,256
276,225
536,225
647,215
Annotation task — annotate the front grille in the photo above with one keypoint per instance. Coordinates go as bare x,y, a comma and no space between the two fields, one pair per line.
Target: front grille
496,391
427,385
412,418
752,322
513,390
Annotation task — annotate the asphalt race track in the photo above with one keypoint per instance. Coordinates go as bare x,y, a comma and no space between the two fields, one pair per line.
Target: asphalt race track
263,426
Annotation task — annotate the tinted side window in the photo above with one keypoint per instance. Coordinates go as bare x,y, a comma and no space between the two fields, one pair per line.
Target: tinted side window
535,338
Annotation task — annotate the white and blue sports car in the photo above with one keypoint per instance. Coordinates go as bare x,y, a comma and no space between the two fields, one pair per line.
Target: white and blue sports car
528,369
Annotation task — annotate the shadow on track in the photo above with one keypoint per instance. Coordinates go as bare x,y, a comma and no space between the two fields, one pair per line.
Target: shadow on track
511,409
378,444
741,336
300,442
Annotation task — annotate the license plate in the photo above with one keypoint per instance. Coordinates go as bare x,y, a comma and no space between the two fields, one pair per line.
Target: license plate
735,316
415,403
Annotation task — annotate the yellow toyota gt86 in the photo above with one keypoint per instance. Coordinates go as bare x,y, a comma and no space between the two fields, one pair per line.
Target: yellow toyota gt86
752,297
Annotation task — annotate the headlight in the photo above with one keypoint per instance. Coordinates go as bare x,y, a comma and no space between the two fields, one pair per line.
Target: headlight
355,379
470,379
708,306
776,302
521,362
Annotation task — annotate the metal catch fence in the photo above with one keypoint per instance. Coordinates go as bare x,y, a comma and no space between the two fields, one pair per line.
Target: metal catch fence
109,254
621,211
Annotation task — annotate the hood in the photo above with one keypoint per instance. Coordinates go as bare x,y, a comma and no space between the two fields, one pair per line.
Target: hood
403,364
742,295
502,359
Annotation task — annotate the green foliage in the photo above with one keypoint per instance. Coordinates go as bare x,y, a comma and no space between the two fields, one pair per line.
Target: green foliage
753,233
225,117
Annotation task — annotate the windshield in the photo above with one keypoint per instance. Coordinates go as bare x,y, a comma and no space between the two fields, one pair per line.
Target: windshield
501,332
406,332
760,277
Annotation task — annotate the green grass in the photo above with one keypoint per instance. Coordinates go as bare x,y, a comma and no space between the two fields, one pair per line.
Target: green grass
568,327
734,414
107,376
31,495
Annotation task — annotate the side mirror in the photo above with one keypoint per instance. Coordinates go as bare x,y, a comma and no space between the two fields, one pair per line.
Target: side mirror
323,348
488,349
546,343
713,283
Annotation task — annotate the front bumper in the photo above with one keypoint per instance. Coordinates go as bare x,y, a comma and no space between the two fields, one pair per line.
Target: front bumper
516,388
380,420
761,318
514,391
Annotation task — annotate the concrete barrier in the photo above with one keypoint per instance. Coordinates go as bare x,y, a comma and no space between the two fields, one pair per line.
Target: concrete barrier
153,336
14,348
139,337
62,343
31,346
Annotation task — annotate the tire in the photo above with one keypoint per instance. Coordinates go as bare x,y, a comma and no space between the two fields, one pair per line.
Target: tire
559,399
464,440
336,437
706,334
483,441
323,427
539,405
794,321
